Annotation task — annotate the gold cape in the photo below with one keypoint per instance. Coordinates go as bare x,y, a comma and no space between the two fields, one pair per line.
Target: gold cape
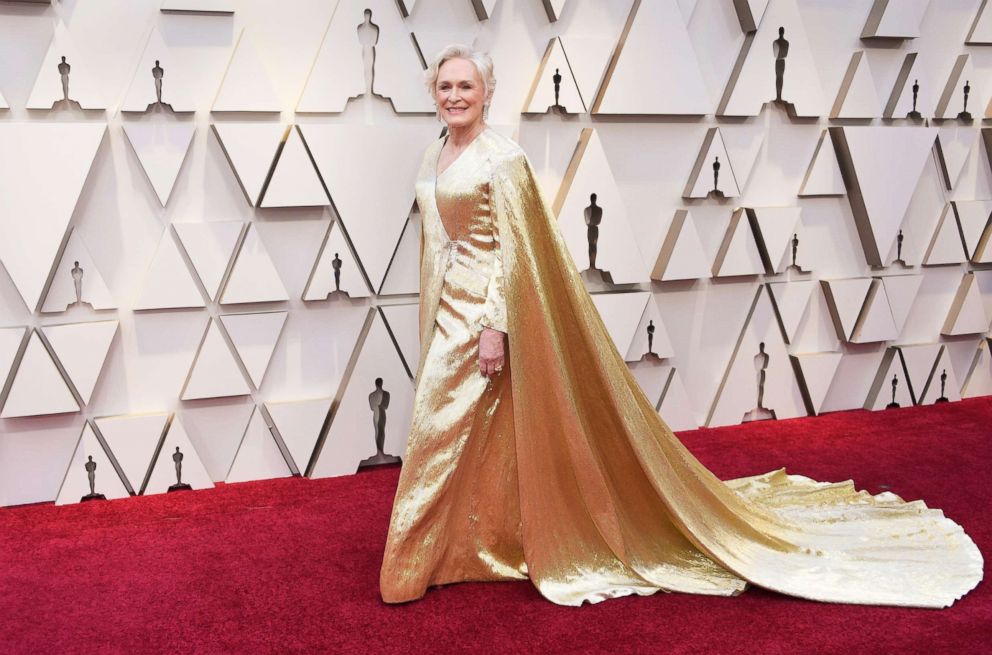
563,471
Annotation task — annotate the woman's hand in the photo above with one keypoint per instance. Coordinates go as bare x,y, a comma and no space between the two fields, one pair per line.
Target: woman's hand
491,356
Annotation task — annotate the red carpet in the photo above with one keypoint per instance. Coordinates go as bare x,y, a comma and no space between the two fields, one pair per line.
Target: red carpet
292,565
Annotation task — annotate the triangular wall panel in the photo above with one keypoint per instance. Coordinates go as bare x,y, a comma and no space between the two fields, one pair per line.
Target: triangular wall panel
246,85
655,33
133,440
84,83
542,93
89,454
33,225
682,256
168,283
215,372
82,349
618,253
294,182
335,257
164,473
259,457
38,388
255,337
210,247
874,161
77,266
254,277
161,147
251,150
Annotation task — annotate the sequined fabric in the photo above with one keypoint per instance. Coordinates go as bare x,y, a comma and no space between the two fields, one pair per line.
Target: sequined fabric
562,471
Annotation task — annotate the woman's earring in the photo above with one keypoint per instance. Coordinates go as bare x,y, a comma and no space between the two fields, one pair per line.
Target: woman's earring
437,113
485,112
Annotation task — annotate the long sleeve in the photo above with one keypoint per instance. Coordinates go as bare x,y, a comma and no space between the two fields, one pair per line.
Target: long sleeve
494,312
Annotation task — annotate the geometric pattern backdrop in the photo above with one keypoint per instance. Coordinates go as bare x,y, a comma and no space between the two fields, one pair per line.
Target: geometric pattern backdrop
209,246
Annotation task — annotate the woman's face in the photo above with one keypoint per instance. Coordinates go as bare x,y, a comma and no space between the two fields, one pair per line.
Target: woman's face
460,93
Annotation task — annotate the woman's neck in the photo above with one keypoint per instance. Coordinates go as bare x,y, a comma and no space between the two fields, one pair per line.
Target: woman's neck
461,136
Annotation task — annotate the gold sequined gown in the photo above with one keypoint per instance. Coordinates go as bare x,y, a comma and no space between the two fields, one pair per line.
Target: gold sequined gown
561,470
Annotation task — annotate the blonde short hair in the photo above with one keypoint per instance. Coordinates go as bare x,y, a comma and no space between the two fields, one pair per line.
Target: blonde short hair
482,61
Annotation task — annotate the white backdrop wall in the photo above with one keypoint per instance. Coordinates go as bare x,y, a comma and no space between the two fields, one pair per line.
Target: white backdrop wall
265,389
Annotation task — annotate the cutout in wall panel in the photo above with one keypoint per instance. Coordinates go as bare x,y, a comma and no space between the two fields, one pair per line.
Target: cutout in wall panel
65,79
167,283
133,439
815,372
790,300
366,49
712,177
895,20
621,313
681,256
294,181
38,388
771,65
76,280
161,146
845,301
875,323
958,93
209,247
251,150
953,146
299,424
738,253
759,382
178,465
981,29
912,94
856,97
554,87
33,225
82,350
946,246
336,271
178,69
255,337
942,386
823,176
91,474
246,85
774,229
373,416
875,161
654,69
258,457
901,290
967,312
593,219
391,155
215,372
890,389
651,338
253,277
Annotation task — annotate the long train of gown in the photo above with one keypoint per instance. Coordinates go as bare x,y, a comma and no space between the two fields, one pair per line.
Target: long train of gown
562,471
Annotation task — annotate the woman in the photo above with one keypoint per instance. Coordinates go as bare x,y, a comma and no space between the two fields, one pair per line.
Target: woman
533,452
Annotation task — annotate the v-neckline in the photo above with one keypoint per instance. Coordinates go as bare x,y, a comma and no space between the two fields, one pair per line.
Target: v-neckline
438,174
